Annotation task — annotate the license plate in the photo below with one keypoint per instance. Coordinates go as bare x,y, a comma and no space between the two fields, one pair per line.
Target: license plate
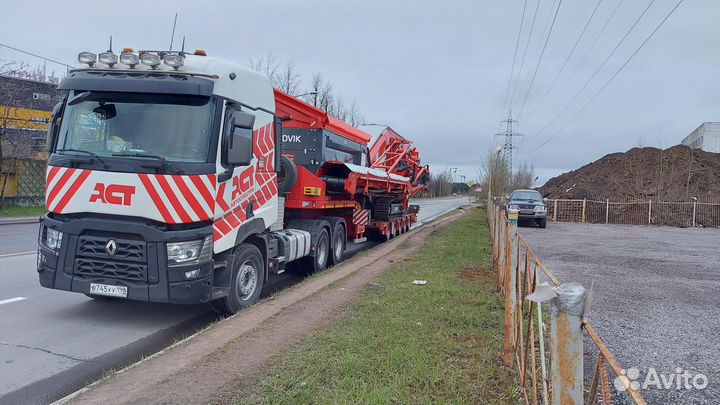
109,290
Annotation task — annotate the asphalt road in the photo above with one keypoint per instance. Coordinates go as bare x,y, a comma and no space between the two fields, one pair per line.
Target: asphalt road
54,342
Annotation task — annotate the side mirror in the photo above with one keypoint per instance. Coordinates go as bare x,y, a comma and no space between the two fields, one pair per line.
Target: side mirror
545,200
53,130
239,144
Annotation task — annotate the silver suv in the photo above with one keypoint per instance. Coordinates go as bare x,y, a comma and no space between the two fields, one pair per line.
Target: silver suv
530,205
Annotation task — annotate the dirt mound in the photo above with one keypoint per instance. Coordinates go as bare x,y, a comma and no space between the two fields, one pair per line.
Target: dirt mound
674,174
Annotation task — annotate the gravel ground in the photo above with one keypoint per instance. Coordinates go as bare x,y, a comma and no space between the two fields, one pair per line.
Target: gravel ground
656,296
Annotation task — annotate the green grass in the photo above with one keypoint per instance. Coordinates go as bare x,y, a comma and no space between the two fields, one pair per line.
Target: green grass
18,211
402,343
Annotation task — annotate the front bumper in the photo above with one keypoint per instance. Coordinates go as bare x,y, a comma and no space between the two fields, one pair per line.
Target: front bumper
531,214
75,266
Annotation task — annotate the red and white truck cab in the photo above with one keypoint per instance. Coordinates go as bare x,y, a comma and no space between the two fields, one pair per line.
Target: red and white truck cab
162,185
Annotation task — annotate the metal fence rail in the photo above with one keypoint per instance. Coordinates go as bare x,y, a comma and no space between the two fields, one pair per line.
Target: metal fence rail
697,212
549,363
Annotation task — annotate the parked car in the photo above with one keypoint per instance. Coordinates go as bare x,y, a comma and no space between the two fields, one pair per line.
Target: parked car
530,205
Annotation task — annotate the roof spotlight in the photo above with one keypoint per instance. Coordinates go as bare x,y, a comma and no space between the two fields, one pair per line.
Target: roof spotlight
150,59
129,59
173,60
108,58
87,57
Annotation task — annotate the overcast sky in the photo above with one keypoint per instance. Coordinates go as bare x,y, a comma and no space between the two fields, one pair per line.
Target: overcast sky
437,71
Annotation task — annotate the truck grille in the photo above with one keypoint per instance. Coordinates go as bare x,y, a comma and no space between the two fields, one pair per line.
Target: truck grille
104,268
129,261
526,206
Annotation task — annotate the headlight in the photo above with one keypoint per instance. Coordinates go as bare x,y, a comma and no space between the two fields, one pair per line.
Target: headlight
108,58
87,57
191,252
514,207
539,208
129,59
50,238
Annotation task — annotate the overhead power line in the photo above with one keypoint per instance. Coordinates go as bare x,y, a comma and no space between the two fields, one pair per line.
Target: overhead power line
567,59
611,77
522,62
587,52
512,70
35,55
540,59
572,101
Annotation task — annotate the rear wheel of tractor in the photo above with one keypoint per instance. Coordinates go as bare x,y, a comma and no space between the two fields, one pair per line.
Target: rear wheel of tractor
542,223
287,176
319,261
248,275
339,242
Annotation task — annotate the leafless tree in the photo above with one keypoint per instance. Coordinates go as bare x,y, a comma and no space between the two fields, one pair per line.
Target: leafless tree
288,80
495,175
353,114
523,176
267,65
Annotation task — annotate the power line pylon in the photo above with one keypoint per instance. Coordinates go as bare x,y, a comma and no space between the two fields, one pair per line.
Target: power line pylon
509,134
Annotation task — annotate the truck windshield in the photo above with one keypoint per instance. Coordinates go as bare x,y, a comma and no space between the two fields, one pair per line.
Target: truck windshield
175,127
526,195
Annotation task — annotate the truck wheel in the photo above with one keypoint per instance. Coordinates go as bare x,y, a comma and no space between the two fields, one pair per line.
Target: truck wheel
339,241
287,176
542,223
319,261
247,280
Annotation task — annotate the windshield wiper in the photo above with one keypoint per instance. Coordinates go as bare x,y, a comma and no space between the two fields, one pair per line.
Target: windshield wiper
93,156
165,164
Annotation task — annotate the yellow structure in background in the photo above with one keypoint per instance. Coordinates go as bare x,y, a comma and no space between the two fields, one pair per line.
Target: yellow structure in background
25,118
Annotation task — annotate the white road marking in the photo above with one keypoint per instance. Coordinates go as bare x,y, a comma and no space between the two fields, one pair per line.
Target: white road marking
12,300
29,252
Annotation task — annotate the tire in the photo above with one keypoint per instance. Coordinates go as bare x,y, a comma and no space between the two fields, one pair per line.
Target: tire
287,176
542,223
339,241
318,261
246,283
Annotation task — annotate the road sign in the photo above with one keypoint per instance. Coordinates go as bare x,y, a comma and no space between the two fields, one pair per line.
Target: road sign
470,183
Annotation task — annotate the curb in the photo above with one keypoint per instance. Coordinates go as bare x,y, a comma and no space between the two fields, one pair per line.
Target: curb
18,220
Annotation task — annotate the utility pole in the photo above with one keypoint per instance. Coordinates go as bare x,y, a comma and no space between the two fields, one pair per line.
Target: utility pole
509,134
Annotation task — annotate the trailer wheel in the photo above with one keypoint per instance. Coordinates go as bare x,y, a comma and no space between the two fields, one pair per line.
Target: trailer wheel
339,241
248,275
319,260
287,176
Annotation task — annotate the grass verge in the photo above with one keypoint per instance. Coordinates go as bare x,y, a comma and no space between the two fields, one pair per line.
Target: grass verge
402,343
18,211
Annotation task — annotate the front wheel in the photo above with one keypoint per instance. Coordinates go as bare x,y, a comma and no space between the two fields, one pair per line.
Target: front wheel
542,223
248,276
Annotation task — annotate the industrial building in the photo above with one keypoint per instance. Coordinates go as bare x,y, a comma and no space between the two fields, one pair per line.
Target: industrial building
706,137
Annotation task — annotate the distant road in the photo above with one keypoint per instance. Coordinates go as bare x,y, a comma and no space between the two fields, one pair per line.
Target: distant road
53,342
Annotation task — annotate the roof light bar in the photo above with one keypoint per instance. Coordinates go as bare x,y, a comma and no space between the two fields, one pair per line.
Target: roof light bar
87,57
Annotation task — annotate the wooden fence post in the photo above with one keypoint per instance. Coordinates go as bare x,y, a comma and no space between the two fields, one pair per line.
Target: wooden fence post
510,290
555,212
694,212
607,210
649,211
583,209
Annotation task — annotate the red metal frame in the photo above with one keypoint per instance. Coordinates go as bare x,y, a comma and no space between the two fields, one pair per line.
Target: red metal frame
393,153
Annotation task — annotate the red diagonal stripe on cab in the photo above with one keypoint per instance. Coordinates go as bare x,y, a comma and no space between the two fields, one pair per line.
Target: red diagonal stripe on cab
59,186
170,194
84,174
159,204
190,198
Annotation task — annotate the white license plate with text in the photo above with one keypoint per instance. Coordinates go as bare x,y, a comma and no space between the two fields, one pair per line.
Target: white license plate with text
109,290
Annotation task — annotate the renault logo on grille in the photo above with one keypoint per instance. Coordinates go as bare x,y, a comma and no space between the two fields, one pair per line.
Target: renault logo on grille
111,247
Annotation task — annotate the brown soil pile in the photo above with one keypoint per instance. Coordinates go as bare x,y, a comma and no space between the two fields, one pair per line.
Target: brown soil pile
673,174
